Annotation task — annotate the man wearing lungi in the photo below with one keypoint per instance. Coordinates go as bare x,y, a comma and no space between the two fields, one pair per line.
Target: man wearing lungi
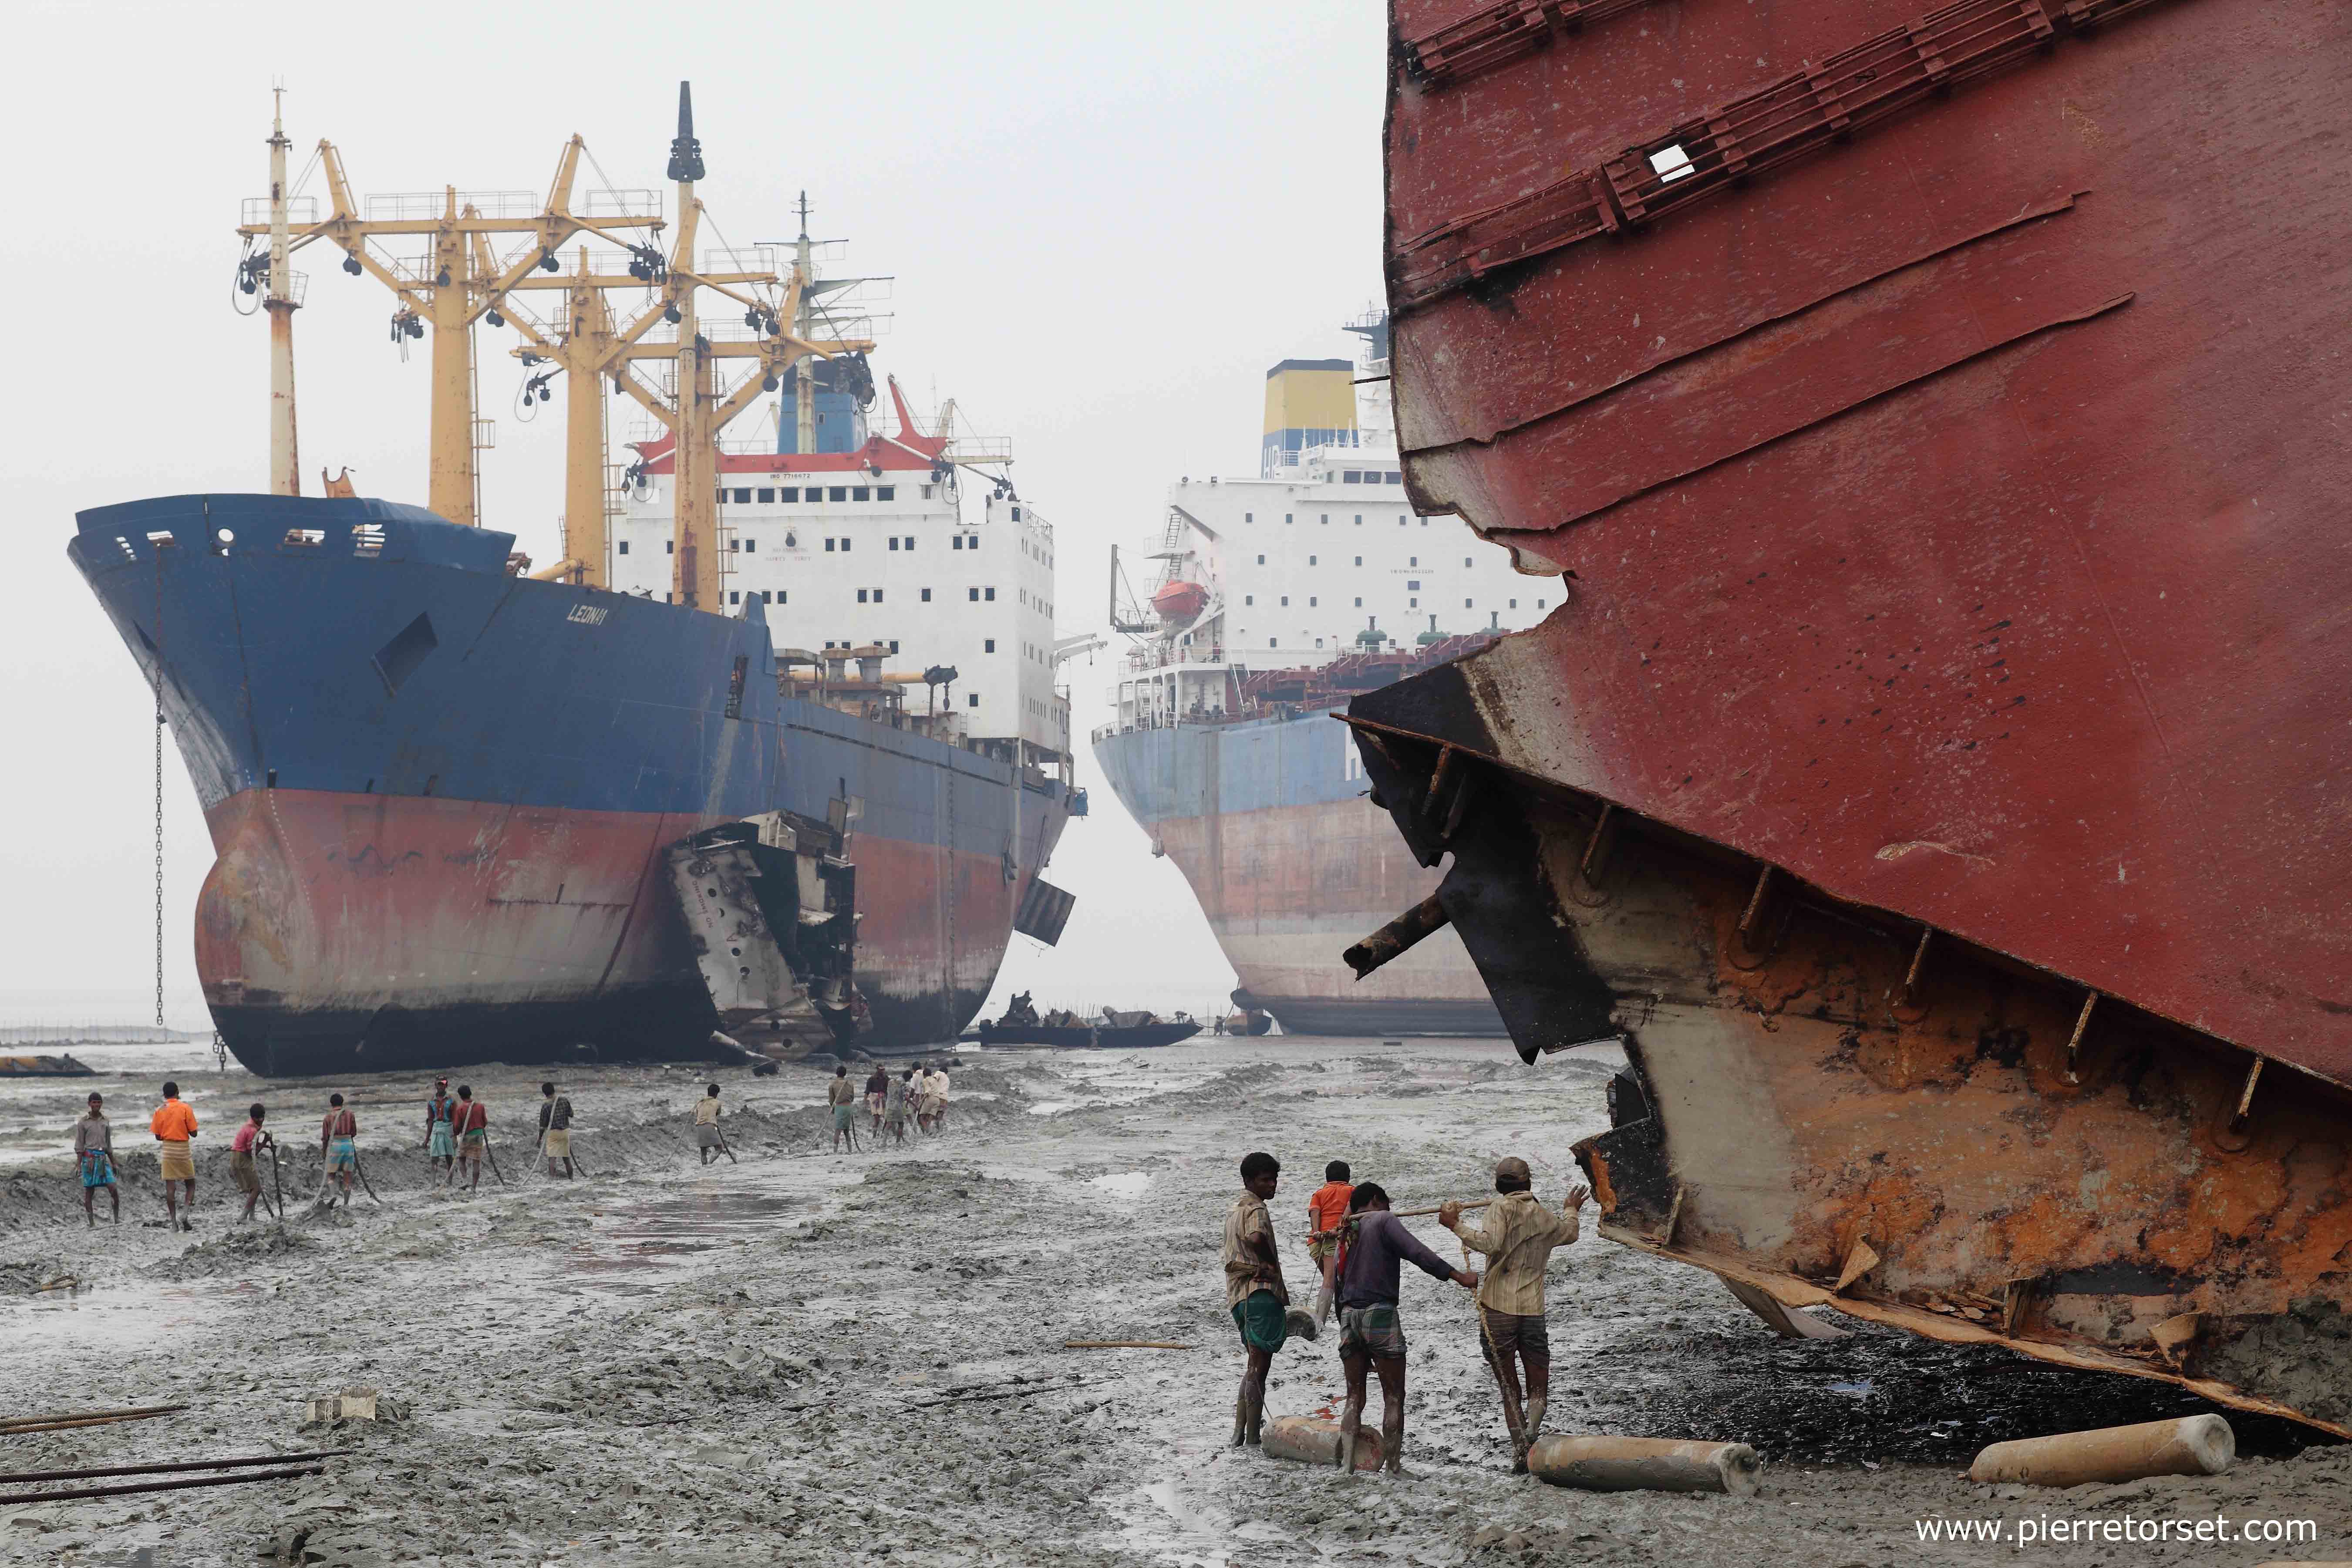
250,1140
555,1128
471,1122
440,1143
174,1124
842,1096
707,1136
94,1153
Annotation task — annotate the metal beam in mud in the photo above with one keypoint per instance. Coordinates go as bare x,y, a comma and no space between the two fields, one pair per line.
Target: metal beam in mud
1830,1103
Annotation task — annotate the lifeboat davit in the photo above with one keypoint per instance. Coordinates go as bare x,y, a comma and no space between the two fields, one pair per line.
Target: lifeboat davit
1180,601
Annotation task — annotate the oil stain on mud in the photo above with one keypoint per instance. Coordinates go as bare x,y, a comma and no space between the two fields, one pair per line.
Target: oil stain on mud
1883,1396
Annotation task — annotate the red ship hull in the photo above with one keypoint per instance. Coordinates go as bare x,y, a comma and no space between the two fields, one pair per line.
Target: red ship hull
438,932
1941,426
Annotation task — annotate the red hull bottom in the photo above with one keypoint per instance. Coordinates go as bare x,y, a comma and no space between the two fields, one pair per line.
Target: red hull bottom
340,930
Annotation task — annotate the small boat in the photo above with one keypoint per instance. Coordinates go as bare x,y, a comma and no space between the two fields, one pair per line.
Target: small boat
44,1066
1064,1030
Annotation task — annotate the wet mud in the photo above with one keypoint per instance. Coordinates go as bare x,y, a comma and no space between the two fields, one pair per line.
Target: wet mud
805,1357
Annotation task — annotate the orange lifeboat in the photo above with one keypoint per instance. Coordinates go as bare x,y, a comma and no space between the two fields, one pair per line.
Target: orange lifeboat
1180,601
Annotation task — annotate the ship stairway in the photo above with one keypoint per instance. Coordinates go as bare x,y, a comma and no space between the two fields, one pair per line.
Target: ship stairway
770,905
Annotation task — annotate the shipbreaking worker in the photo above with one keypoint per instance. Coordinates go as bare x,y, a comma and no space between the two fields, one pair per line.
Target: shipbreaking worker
440,1144
1254,1292
894,1106
555,1128
94,1153
842,1096
1364,1273
249,1142
937,1095
174,1125
471,1123
878,1095
933,1085
1326,1210
1516,1234
706,1125
338,1132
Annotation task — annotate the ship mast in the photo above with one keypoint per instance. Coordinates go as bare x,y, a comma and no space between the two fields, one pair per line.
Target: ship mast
590,347
694,494
805,374
285,461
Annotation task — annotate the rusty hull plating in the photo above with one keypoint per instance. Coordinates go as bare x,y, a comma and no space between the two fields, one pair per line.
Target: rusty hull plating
1936,772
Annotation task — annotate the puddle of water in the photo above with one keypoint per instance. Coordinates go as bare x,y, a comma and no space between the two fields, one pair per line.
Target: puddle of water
1125,1183
662,1232
143,1321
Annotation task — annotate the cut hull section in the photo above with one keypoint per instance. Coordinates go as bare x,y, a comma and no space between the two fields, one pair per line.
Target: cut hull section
1934,769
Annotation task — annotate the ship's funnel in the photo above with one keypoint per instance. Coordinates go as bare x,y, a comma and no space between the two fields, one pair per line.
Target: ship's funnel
1308,403
685,152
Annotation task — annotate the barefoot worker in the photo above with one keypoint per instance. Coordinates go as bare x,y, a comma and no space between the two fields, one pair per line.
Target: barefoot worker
174,1124
440,1144
338,1132
894,1106
250,1140
707,1136
1516,1234
1254,1293
842,1096
932,1082
938,1098
877,1094
555,1128
471,1122
1372,1245
94,1153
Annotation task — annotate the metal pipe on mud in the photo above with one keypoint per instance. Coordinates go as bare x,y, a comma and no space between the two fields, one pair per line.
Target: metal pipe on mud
1644,1464
2188,1446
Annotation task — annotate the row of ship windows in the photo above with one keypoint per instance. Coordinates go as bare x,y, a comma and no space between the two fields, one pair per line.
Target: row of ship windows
750,546
1326,517
874,597
1409,561
769,495
1410,603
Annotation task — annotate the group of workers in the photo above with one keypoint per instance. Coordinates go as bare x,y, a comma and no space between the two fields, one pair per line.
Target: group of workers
456,1138
1358,1245
920,1095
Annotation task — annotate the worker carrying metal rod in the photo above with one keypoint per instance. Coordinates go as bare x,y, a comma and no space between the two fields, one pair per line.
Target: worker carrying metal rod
1517,1235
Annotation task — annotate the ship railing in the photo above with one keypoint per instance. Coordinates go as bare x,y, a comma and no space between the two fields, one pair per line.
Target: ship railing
254,212
402,206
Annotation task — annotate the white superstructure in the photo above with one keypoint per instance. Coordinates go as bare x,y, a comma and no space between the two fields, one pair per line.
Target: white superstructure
880,546
1317,558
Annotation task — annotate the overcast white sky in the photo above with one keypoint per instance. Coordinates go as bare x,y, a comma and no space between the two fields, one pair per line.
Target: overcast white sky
1104,222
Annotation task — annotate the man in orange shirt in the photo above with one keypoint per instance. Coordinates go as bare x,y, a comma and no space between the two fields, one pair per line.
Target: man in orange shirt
1326,1209
174,1124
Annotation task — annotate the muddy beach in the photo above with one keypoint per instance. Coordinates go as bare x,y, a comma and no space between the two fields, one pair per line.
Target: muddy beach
804,1357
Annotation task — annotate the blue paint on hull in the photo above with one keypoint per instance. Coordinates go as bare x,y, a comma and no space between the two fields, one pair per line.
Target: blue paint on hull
366,647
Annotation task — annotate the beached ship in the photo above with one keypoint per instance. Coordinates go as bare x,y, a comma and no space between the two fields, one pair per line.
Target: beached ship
1934,768
675,783
1273,600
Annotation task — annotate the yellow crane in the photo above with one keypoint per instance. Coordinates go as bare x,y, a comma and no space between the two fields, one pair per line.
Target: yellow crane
588,345
457,282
